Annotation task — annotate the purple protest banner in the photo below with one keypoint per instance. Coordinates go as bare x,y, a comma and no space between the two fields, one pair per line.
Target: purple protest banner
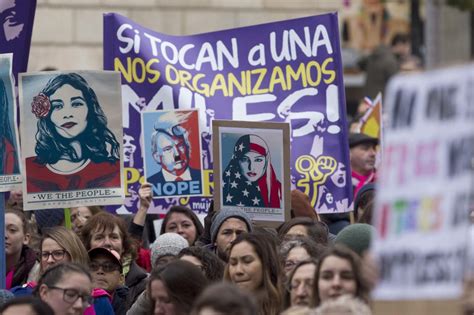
287,71
16,19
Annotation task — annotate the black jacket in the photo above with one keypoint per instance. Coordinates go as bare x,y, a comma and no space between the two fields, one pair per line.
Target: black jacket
136,282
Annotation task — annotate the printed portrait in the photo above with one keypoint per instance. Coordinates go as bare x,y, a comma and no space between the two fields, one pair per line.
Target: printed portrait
172,154
252,173
70,143
9,161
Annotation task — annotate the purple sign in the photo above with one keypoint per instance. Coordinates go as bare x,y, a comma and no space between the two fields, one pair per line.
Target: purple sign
16,25
287,71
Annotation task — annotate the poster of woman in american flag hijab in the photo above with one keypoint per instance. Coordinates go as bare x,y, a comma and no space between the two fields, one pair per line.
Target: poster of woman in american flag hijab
252,160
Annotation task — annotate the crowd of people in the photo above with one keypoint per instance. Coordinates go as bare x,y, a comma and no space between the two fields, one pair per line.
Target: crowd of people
104,264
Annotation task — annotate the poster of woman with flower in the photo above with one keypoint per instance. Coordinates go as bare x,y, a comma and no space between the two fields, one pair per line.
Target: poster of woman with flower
74,157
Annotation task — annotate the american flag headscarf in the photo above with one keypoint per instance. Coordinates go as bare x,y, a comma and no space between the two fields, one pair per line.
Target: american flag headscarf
237,190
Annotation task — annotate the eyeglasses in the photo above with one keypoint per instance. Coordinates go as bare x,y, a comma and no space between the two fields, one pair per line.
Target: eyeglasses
71,296
56,254
106,267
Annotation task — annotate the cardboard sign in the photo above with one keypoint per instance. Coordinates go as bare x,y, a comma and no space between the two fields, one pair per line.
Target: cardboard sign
426,185
251,169
72,140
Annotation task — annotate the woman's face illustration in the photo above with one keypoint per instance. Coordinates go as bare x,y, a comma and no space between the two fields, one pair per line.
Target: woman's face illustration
69,111
253,165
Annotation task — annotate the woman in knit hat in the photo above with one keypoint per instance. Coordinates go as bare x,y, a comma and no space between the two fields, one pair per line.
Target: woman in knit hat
166,248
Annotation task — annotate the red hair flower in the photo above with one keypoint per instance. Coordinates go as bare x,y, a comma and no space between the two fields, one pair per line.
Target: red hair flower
40,106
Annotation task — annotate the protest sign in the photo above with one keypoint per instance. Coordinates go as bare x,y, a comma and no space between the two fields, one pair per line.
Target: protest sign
16,25
71,131
10,175
172,152
287,71
251,169
425,185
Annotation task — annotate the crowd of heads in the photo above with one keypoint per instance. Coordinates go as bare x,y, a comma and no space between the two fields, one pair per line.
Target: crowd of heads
243,268
231,265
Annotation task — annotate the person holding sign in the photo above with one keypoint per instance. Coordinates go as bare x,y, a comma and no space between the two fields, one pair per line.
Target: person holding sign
249,179
74,148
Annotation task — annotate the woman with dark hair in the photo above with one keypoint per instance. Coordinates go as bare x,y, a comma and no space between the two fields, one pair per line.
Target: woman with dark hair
21,265
66,288
8,156
315,230
211,265
338,273
253,266
174,287
183,221
251,170
72,138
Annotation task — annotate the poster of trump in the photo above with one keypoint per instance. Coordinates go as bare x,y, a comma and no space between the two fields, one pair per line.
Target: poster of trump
171,141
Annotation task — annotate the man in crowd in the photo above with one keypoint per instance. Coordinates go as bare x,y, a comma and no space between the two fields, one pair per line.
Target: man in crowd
106,270
363,157
226,226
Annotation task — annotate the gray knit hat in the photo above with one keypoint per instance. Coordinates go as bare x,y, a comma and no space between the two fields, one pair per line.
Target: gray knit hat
356,236
167,244
225,214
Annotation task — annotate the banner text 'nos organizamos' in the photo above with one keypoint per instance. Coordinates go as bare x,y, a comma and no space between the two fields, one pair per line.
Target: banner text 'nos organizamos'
287,71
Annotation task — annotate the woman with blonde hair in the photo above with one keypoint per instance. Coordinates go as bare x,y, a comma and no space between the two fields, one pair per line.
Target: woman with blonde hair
61,245
58,245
